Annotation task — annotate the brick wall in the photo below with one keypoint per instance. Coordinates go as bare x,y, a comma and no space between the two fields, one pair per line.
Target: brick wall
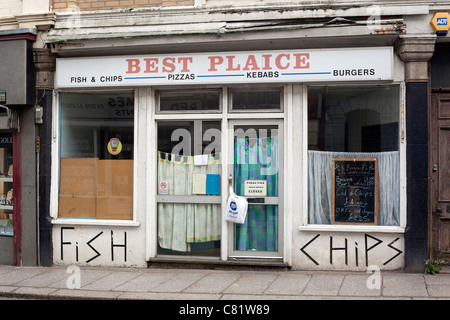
93,5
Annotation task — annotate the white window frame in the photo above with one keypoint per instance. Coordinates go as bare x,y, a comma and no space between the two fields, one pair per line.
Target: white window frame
225,116
138,192
304,223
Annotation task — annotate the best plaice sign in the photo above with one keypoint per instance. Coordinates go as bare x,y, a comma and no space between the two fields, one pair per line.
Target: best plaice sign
440,23
227,67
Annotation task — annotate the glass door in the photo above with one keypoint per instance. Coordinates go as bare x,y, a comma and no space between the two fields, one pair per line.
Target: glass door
189,195
256,173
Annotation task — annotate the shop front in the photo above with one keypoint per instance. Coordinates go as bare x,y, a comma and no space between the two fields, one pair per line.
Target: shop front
18,216
147,149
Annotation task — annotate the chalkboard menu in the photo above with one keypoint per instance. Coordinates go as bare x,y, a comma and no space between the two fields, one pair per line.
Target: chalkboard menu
354,191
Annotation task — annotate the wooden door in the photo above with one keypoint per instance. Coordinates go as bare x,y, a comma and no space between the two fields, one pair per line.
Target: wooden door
439,215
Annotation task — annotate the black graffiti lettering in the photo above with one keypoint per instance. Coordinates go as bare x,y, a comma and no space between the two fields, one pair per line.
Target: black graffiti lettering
306,254
124,246
373,246
338,249
89,244
369,245
76,251
399,252
62,241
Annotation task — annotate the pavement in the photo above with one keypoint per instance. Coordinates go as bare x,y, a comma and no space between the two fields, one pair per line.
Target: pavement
100,283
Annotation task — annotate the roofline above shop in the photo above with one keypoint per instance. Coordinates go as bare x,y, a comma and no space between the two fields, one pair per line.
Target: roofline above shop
189,29
347,36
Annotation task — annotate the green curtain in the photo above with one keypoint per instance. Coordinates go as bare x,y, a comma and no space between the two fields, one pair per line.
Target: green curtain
257,159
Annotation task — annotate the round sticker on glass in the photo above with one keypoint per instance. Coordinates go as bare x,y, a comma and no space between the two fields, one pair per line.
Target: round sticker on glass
114,146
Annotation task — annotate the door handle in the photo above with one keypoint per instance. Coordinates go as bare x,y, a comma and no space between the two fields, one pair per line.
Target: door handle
438,210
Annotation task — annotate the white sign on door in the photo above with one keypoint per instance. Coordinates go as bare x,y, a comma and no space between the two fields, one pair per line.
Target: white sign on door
255,188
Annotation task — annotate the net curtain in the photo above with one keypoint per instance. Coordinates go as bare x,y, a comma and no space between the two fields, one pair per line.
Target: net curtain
181,224
257,159
319,185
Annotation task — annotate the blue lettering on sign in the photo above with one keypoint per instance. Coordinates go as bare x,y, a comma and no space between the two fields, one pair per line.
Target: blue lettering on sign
442,22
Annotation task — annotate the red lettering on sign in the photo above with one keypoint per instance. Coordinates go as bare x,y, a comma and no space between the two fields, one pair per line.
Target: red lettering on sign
251,63
168,65
231,67
278,61
301,60
133,66
184,61
214,60
267,62
151,65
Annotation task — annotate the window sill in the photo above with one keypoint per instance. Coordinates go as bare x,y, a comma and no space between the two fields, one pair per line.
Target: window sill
95,222
352,228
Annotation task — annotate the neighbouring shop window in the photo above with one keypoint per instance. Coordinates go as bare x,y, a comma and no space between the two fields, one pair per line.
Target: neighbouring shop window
246,100
189,187
189,101
96,155
353,155
6,183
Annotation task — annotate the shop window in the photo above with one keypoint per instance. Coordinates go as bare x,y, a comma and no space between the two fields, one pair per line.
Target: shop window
260,100
189,202
96,155
353,155
6,184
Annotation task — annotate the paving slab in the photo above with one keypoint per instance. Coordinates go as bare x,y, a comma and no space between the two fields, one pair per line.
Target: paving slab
45,279
356,286
178,283
324,285
87,276
438,285
6,269
438,279
213,283
146,281
439,291
288,284
251,283
19,274
404,285
111,281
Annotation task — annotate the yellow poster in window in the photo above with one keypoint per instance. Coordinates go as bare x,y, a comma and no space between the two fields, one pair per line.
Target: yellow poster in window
114,146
